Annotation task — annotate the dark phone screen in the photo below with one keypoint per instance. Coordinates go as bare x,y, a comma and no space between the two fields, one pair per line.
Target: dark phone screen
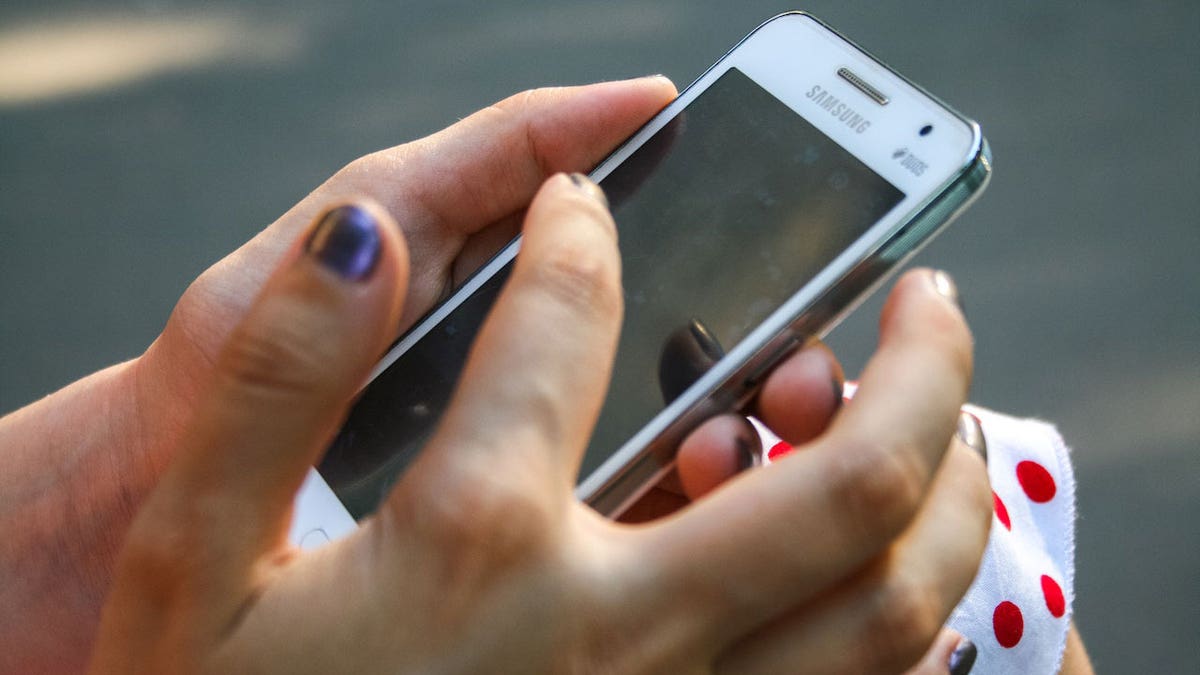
723,214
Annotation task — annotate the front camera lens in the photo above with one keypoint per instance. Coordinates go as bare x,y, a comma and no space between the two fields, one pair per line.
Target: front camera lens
926,130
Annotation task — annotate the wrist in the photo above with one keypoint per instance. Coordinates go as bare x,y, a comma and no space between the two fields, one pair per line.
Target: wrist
74,468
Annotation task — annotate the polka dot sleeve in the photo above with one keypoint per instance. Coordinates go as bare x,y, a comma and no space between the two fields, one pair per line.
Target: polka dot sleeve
1018,609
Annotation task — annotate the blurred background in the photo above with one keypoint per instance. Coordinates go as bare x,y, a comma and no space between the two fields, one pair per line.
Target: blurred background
141,141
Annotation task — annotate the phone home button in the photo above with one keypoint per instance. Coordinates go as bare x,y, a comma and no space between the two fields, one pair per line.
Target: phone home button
314,538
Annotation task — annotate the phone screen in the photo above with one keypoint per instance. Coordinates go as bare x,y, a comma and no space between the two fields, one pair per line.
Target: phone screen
723,214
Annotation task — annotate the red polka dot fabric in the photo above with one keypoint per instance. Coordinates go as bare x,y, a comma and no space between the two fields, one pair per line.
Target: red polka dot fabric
778,449
1036,481
1018,610
1001,511
1008,625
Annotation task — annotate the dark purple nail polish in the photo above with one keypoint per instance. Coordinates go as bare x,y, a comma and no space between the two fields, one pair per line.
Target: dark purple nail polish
946,287
346,240
746,452
963,659
589,186
688,353
970,432
705,340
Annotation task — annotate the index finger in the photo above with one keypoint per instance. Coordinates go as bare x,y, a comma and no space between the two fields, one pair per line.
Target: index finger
453,183
490,164
534,382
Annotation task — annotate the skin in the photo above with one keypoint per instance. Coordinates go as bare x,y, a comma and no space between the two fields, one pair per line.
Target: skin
78,464
1075,657
480,560
936,659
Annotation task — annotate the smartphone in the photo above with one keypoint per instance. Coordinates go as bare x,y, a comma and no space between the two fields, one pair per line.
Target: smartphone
754,212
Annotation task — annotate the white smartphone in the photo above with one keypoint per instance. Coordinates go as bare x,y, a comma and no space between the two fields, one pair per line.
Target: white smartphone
754,212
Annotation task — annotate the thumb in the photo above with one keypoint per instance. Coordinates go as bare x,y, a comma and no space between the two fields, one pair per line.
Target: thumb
282,383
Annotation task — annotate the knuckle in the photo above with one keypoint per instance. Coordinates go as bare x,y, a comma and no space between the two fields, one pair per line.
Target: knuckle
527,99
477,514
373,164
359,166
277,356
523,109
152,558
359,171
904,621
579,276
377,175
159,558
877,488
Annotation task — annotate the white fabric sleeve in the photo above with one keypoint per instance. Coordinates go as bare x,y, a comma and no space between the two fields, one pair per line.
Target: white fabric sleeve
1018,609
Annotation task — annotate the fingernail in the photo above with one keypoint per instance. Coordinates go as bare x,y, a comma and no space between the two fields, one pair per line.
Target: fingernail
346,241
589,186
963,658
945,286
688,353
705,340
970,432
746,456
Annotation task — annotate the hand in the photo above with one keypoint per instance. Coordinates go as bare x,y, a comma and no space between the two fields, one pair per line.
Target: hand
78,464
457,196
481,560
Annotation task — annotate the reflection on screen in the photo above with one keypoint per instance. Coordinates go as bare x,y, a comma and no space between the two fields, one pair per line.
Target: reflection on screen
723,214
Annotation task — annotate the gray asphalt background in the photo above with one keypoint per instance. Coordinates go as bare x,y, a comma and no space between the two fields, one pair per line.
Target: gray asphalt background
1077,266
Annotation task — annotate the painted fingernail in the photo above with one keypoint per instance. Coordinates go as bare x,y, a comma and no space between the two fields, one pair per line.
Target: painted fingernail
589,186
705,340
346,241
963,658
945,286
688,353
746,453
970,432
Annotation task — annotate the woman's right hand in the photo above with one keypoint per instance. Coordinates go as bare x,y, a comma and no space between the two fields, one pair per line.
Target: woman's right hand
845,556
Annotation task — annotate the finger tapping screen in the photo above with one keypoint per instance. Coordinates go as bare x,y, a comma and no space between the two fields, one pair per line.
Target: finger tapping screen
723,214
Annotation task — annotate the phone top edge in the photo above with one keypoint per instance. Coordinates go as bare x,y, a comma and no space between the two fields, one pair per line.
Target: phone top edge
969,121
794,29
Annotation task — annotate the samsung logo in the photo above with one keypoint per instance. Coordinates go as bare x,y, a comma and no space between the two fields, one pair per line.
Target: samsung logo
832,105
